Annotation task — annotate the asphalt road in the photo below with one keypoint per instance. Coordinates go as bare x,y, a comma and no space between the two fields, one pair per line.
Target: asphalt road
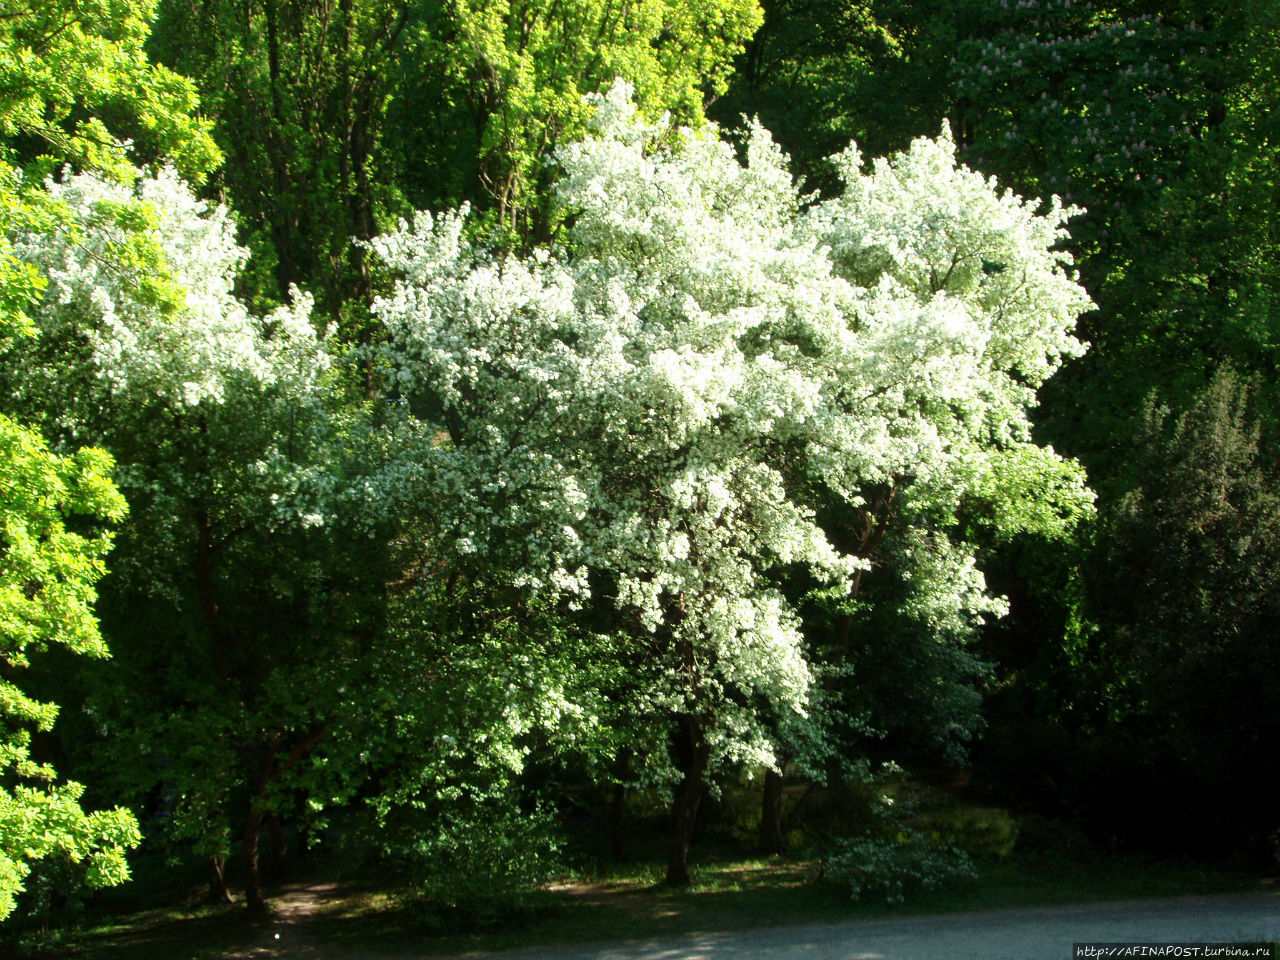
1044,933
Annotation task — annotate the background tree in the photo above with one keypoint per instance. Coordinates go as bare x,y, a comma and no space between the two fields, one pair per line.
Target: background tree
79,87
336,119
1188,628
1143,117
76,82
298,93
213,414
822,73
520,73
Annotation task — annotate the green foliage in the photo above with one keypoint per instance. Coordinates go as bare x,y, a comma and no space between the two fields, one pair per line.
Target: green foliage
472,685
688,394
472,863
298,94
808,75
47,574
1145,114
1100,102
1210,497
988,831
228,586
241,608
521,70
1028,491
77,81
1122,110
1248,155
1189,625
336,121
902,651
896,867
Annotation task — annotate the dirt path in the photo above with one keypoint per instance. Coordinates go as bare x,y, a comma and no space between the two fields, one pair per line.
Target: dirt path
286,935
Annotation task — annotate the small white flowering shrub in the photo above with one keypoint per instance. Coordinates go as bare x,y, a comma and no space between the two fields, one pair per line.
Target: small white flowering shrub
896,864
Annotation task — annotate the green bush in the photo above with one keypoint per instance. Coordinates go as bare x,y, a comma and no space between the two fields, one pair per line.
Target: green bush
471,865
51,906
480,871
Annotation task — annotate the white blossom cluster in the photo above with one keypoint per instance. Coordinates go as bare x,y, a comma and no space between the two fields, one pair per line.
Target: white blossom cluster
141,274
667,397
144,347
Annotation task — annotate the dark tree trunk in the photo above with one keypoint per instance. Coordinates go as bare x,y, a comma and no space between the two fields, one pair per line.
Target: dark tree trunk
254,899
279,849
618,807
258,817
617,821
688,799
771,813
218,892
302,848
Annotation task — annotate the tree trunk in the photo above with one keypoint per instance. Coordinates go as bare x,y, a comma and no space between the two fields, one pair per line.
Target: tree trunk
617,817
618,808
688,798
218,892
279,848
303,846
254,899
771,813
272,772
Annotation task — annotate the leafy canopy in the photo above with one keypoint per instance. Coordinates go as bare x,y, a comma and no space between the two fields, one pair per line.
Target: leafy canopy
47,576
77,83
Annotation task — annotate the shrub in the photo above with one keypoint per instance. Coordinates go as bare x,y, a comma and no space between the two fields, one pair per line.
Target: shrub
470,864
896,865
479,871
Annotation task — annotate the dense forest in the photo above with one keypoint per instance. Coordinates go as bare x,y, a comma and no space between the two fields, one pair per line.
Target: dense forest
435,431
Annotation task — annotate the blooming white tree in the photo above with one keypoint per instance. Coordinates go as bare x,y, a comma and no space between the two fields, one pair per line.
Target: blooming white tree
652,411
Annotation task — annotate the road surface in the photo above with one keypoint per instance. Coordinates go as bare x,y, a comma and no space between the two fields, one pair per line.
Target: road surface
1041,933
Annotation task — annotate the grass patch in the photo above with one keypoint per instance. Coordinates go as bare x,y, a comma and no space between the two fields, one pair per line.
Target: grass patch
183,932
336,920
